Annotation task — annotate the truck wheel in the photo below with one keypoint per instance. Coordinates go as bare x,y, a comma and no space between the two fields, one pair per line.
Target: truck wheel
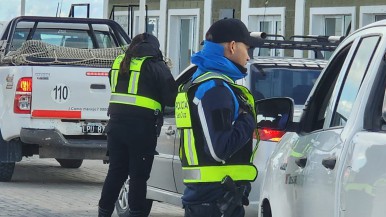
70,163
6,171
122,204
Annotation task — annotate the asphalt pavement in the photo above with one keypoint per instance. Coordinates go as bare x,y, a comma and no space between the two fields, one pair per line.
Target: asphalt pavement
40,187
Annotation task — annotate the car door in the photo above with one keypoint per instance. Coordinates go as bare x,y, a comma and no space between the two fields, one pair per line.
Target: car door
323,159
308,182
162,172
291,157
362,182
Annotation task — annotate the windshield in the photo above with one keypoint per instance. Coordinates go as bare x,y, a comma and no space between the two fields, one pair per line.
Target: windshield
283,82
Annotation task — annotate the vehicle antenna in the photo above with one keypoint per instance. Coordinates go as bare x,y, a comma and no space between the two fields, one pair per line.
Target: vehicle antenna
265,9
60,9
57,8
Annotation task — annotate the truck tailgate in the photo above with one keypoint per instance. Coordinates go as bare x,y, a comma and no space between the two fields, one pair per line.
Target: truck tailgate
68,92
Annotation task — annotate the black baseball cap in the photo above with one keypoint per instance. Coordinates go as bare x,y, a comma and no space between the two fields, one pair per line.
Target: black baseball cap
227,30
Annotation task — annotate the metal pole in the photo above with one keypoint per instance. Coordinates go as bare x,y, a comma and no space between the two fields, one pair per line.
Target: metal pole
105,9
22,8
142,15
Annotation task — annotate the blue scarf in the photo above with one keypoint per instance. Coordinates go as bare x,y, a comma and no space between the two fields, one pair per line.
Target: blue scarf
211,58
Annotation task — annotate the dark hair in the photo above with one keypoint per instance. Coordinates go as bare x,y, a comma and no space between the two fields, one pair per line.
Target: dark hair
125,64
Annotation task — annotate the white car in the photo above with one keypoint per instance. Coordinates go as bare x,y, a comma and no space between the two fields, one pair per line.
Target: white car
333,164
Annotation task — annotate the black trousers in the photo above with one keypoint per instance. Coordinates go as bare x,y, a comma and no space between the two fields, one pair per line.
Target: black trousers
209,210
131,146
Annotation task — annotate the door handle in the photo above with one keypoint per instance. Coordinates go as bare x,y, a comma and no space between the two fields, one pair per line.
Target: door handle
98,86
329,162
170,131
301,162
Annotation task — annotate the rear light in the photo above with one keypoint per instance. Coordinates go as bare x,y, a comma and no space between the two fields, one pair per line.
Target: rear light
270,135
23,96
97,74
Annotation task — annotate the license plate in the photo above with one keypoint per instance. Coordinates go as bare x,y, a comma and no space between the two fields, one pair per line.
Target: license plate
93,128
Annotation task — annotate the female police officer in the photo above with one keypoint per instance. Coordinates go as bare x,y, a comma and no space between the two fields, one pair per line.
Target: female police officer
141,85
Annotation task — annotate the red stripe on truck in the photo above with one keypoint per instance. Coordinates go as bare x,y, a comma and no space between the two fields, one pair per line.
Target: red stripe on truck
56,114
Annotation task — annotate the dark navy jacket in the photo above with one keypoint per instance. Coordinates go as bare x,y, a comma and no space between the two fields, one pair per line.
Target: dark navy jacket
225,140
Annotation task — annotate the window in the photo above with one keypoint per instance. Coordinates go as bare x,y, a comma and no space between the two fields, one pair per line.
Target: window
315,110
353,80
380,17
271,25
187,41
336,25
153,26
283,82
370,14
332,21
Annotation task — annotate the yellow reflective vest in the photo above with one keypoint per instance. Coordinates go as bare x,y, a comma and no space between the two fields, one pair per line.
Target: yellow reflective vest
130,97
195,168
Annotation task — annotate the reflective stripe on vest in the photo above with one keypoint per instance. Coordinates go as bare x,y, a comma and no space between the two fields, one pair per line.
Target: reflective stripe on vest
135,100
115,71
194,172
190,147
131,97
212,75
217,173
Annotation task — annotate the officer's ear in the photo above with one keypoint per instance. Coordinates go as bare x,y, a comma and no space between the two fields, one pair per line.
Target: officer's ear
229,48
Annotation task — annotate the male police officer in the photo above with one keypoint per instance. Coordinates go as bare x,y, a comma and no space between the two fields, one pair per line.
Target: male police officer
216,119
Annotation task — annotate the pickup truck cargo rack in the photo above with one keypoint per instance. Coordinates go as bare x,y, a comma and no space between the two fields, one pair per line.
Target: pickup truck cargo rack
312,43
10,31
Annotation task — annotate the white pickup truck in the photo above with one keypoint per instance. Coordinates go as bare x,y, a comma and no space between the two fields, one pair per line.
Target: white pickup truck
54,89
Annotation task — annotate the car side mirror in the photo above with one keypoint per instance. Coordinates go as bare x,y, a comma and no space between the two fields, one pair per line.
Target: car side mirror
275,113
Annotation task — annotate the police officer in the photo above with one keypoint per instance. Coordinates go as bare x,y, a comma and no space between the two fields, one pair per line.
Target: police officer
216,119
141,85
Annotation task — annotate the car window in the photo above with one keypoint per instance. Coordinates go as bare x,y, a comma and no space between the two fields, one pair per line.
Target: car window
283,82
353,80
315,110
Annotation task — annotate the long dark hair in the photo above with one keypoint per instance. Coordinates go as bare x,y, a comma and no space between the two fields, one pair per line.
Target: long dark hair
125,64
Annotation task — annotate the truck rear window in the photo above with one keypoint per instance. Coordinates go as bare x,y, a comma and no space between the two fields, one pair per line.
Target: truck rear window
283,82
65,38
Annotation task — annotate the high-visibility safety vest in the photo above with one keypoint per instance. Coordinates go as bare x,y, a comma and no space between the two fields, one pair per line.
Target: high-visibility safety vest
195,168
130,97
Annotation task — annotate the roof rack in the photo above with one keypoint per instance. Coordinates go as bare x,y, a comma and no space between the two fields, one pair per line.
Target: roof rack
313,43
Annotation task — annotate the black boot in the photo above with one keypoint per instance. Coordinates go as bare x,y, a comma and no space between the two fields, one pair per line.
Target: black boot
104,212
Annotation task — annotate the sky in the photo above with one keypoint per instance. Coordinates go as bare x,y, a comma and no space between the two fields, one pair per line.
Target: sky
11,8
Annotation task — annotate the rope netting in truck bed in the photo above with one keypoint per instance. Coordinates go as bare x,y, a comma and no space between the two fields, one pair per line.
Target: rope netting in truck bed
34,52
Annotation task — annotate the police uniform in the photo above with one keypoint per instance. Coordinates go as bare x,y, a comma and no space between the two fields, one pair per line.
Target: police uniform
136,103
216,120
200,173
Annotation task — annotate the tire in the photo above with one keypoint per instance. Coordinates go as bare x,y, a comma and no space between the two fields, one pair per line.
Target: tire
70,163
122,204
6,171
266,209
